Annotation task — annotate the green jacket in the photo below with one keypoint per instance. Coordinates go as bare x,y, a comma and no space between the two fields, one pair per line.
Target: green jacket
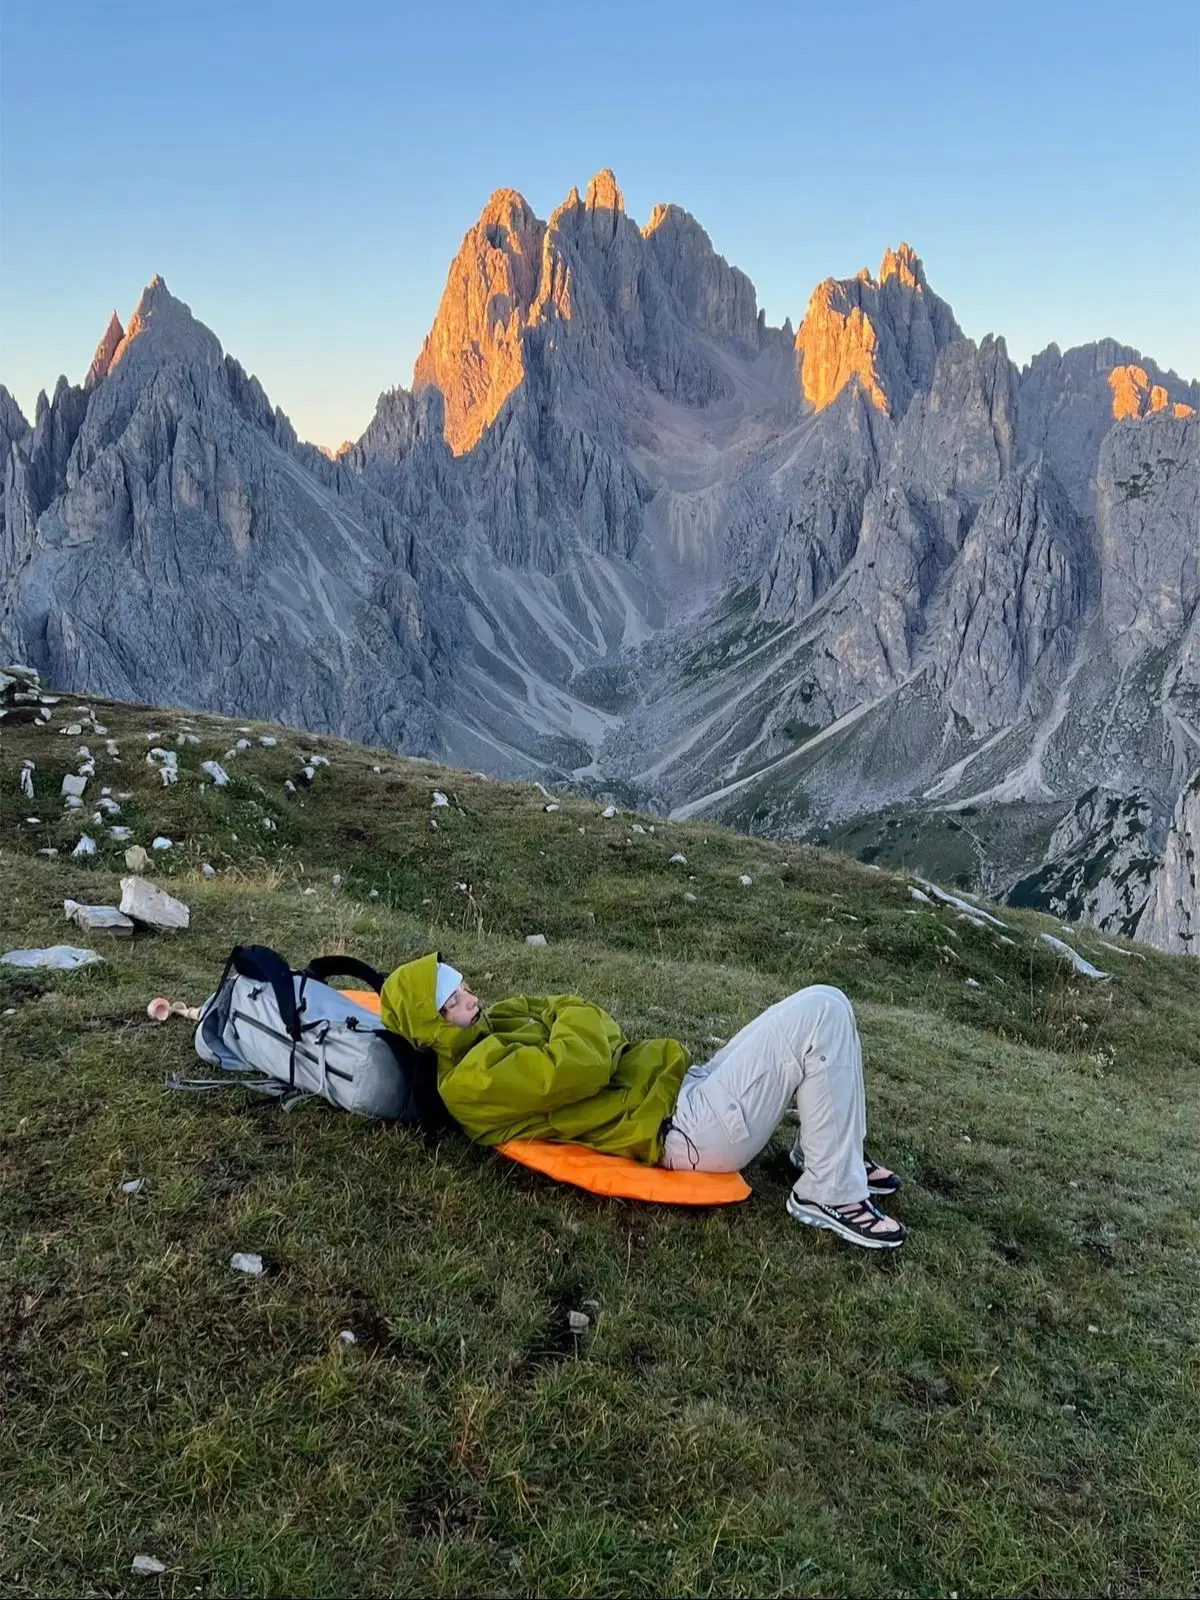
552,1068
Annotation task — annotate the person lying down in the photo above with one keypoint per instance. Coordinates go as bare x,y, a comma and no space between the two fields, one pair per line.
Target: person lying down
560,1068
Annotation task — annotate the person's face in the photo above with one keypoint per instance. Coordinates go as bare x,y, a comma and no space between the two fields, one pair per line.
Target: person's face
462,1008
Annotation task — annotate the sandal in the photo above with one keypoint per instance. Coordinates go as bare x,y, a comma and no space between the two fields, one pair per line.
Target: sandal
859,1222
880,1180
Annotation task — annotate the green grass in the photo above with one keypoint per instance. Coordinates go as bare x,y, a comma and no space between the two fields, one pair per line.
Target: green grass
1008,1406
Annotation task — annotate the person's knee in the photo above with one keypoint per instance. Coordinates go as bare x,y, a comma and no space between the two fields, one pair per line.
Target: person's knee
822,997
820,1015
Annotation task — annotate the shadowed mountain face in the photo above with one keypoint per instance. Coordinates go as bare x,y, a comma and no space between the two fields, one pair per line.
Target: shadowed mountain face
865,582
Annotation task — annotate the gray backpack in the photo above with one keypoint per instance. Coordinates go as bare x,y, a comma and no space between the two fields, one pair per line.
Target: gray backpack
293,1036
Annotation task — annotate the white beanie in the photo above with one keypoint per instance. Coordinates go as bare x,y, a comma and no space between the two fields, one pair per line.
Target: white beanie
448,980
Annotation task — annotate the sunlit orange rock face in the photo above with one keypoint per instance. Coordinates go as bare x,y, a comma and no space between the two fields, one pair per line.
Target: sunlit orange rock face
838,340
1133,395
105,351
507,277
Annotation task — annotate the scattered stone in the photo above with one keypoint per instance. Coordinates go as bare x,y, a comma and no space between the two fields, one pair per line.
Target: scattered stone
318,761
242,744
84,753
919,894
336,880
268,741
374,895
132,1186
433,824
608,812
208,870
73,730
161,843
1084,968
439,799
120,833
48,850
289,786
974,983
309,774
147,1566
537,939
961,905
98,919
637,827
62,957
216,772
108,805
27,782
136,858
348,1336
268,825
746,880
148,904
376,769
678,859
85,847
98,728
246,1261
113,748
553,806
578,1321
689,898
74,785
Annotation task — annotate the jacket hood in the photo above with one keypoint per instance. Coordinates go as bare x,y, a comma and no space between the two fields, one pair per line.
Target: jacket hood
408,1006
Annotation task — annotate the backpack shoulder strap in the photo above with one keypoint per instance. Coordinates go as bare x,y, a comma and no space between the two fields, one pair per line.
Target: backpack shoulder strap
322,968
264,965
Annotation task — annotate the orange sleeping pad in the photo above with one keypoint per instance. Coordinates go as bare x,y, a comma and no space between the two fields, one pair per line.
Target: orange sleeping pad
609,1175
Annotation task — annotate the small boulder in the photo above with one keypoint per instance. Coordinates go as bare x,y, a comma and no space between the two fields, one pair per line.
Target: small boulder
85,847
536,939
74,784
152,906
98,919
216,772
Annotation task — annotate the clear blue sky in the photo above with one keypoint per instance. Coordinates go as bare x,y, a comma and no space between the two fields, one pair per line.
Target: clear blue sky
301,174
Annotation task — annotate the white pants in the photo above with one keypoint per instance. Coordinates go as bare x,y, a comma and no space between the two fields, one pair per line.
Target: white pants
804,1052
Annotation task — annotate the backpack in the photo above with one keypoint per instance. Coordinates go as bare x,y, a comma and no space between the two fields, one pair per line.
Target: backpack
293,1036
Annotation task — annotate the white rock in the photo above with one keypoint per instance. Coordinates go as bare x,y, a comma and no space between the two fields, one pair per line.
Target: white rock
132,1186
336,880
242,744
637,827
153,736
268,741
745,880
73,802
961,905
348,1336
376,769
245,730
146,903
147,1566
578,1321
310,773
120,832
208,870
439,799
374,895
87,769
679,859
161,843
108,805
1084,968
919,894
27,782
246,1261
34,822
318,761
85,847
62,957
973,983
268,825
216,772
73,784
609,811
553,806
84,753
289,786
73,730
99,919
538,939
98,728
689,898
48,850
113,748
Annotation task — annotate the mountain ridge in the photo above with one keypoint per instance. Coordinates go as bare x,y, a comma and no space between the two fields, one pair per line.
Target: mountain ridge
623,532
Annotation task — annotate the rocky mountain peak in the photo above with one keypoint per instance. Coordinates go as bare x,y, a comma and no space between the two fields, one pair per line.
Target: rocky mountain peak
473,353
884,334
905,265
603,194
162,328
105,351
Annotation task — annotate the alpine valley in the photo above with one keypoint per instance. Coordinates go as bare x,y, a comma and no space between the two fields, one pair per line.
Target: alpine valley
865,583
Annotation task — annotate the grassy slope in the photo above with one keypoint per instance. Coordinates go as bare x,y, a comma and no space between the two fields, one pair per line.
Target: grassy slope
1006,1407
